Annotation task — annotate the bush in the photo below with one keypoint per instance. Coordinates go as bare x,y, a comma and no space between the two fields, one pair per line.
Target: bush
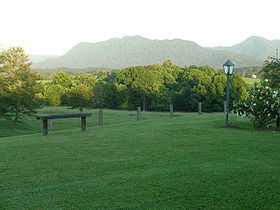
262,106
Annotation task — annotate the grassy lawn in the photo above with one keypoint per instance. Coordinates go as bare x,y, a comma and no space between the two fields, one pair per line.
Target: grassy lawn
251,81
185,162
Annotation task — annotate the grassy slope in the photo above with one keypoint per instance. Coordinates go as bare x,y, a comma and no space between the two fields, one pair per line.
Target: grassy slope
185,162
251,81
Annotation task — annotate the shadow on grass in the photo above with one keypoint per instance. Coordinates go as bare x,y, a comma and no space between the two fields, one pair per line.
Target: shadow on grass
249,128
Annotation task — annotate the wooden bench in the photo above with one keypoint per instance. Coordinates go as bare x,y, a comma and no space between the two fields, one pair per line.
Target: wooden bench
46,118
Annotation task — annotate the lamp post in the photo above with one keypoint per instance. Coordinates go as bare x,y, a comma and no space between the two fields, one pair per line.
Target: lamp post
228,68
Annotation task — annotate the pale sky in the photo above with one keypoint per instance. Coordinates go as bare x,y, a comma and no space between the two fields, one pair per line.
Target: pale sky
54,26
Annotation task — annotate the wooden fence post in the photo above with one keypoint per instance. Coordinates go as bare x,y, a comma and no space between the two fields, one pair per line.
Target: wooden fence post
199,108
171,110
100,118
84,123
139,113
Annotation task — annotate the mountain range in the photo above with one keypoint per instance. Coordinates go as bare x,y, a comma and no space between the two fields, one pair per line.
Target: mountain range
41,58
136,50
254,46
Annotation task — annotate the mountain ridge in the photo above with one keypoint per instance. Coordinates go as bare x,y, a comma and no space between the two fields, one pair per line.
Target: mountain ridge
136,50
35,58
255,46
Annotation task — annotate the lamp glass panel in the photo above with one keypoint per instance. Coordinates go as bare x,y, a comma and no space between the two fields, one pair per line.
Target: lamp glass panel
230,69
226,69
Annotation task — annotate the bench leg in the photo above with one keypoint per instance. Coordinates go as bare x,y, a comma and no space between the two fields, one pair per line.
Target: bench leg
45,127
49,125
84,123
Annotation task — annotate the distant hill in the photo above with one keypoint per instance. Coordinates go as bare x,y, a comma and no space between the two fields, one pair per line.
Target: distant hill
254,46
136,50
93,70
40,58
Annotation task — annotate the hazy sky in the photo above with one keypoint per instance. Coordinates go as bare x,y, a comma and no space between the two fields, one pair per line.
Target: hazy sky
55,26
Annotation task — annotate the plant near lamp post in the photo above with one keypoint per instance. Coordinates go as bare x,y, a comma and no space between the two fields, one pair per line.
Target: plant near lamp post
262,106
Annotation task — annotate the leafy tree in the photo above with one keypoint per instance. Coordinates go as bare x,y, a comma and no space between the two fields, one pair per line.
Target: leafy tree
142,82
19,88
195,85
238,88
167,63
160,100
153,86
63,79
79,97
56,89
206,85
261,105
271,71
109,95
217,92
53,94
86,79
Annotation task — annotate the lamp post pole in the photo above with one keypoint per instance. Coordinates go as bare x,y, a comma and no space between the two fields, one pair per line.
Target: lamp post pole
227,99
228,68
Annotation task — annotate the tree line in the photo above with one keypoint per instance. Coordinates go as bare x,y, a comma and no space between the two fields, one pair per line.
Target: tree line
153,87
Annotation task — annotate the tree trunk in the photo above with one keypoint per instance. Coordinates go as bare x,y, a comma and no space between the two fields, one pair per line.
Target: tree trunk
16,117
144,103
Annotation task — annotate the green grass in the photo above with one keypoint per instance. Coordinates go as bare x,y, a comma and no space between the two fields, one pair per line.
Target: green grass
185,162
251,81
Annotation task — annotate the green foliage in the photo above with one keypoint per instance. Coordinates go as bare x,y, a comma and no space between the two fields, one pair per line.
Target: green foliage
79,97
147,85
167,63
19,90
271,71
109,95
262,104
154,87
247,72
53,94
198,84
237,88
63,79
56,88
204,84
91,70
86,79
251,81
